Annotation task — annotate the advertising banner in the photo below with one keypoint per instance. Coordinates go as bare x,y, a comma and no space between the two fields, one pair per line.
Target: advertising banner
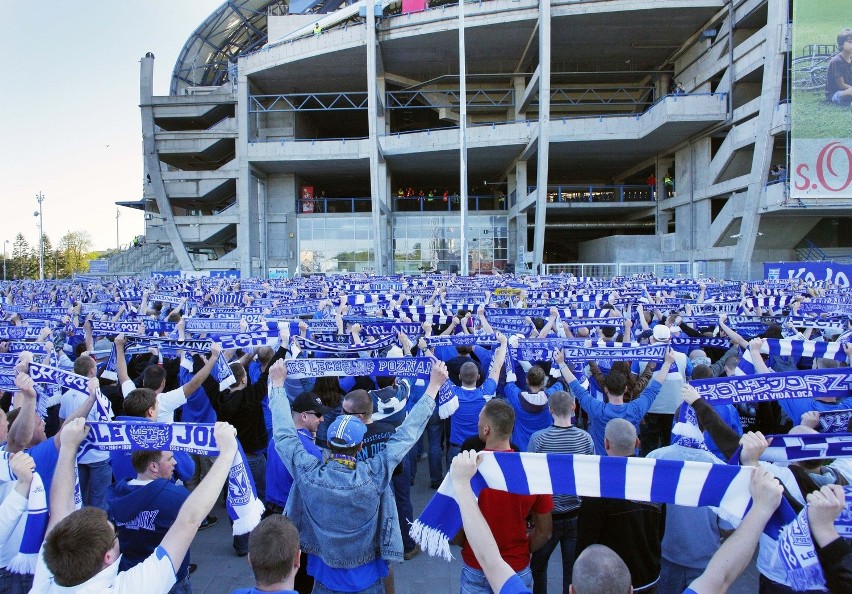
821,97
833,272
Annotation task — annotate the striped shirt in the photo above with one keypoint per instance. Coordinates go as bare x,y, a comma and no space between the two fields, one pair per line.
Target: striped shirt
562,440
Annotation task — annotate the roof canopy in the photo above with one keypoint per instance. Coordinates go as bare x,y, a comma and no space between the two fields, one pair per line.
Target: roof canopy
235,27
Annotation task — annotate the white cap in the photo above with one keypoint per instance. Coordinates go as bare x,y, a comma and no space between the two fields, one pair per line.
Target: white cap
662,333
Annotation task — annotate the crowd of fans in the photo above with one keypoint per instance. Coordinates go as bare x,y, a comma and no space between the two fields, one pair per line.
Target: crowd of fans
281,392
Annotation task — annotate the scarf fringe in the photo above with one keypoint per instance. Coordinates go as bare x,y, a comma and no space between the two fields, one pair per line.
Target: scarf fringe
448,408
23,563
431,540
806,578
249,518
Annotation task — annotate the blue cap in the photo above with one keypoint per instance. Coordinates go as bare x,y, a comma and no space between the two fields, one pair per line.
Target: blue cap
346,431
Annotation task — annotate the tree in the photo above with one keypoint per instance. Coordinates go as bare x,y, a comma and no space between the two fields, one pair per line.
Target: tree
22,264
75,246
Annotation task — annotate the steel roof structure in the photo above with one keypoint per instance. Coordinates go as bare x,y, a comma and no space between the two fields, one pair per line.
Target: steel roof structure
237,26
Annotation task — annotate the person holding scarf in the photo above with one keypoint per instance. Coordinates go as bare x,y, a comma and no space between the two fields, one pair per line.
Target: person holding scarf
349,538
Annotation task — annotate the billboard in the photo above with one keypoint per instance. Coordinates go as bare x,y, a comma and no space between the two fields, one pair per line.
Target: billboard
821,102
833,272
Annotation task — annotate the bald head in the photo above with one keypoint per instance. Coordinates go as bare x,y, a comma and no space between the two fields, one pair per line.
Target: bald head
620,438
598,570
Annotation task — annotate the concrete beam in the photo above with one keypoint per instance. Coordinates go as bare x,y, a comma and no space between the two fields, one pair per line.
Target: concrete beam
524,102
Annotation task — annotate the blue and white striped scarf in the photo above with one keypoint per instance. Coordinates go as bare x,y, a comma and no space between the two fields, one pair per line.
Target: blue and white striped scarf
810,383
784,347
690,484
346,349
416,367
795,550
834,421
221,372
244,507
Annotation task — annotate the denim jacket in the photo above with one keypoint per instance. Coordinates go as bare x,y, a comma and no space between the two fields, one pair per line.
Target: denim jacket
347,517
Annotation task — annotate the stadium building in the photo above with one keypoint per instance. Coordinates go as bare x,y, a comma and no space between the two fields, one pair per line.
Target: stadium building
325,137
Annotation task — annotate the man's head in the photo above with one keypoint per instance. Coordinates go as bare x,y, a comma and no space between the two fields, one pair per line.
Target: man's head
464,350
80,546
699,357
536,379
264,356
731,364
496,421
561,404
273,551
346,435
615,384
38,432
598,570
240,376
469,374
842,37
608,333
141,402
154,378
153,464
359,404
702,372
620,438
308,411
84,365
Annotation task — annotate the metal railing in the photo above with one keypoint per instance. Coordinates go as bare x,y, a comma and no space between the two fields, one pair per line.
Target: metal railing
308,102
581,193
610,269
323,205
438,203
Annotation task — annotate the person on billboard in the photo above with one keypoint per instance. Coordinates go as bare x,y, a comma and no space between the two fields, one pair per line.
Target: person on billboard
838,80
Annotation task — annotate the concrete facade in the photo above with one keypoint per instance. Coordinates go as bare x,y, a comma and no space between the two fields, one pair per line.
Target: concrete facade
569,112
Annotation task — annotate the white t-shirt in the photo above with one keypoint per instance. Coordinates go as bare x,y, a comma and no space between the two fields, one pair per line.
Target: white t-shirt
669,398
167,402
68,403
155,575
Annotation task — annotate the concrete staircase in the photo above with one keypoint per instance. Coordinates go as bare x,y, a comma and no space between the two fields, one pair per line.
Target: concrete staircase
143,260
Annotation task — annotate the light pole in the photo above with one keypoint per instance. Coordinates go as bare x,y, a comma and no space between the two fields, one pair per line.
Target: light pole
117,214
39,214
4,259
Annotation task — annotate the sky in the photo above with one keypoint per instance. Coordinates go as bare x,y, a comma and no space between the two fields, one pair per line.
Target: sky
70,125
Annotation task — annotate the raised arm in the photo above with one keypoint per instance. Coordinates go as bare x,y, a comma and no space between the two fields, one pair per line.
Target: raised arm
204,372
483,321
476,529
64,475
726,439
120,361
663,373
499,357
735,338
201,500
737,551
21,433
759,364
834,553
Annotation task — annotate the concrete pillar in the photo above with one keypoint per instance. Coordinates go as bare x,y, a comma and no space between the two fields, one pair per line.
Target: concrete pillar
376,182
773,71
543,132
245,235
152,162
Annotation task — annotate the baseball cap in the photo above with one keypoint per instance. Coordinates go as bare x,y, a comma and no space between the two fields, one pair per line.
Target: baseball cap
346,431
662,333
309,402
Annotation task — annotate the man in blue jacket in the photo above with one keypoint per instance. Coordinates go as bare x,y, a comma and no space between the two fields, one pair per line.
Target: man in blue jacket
344,507
144,508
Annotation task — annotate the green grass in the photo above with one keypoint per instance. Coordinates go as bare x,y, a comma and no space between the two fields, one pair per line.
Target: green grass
819,22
